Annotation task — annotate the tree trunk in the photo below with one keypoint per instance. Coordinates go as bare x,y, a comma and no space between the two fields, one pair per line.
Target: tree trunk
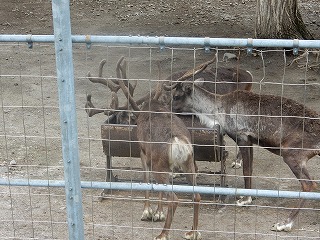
280,19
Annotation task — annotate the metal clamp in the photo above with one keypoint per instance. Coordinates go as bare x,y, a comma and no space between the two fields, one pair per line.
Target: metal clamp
161,43
207,45
249,46
29,41
295,46
88,41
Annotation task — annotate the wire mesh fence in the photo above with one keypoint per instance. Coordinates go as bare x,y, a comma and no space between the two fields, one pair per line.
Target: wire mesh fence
272,75
31,145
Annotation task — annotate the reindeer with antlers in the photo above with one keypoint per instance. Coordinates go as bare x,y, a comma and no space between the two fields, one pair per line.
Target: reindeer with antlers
284,126
222,80
165,143
219,80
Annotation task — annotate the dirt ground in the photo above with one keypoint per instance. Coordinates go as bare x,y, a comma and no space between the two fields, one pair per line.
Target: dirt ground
30,145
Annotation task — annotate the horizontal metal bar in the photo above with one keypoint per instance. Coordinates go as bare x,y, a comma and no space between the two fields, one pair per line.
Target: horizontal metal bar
166,188
27,38
171,41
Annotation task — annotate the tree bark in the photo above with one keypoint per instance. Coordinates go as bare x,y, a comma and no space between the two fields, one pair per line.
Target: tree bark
280,19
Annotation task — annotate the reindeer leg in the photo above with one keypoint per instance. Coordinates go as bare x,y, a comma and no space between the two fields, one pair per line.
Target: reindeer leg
194,234
147,213
221,153
109,177
147,210
172,205
286,225
159,216
298,167
246,151
238,162
191,178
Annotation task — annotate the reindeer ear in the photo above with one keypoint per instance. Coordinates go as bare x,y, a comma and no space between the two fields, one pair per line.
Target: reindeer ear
187,87
199,82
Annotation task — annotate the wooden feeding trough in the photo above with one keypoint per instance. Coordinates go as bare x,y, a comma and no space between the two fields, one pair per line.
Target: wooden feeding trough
120,140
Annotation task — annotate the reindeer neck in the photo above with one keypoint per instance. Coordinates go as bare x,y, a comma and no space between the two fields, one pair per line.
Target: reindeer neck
204,101
206,105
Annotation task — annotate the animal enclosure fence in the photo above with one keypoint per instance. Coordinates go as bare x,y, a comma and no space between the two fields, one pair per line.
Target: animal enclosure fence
48,143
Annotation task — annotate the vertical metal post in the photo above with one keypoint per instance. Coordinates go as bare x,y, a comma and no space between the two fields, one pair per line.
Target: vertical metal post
68,120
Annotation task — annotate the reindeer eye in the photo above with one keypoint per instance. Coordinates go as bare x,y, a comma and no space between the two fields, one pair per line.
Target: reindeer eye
175,98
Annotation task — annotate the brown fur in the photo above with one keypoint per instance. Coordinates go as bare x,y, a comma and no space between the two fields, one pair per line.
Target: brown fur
284,126
156,128
159,133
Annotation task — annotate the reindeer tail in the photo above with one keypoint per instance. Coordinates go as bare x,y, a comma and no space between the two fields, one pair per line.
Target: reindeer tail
180,151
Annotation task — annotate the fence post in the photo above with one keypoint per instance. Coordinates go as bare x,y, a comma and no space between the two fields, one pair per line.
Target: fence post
68,120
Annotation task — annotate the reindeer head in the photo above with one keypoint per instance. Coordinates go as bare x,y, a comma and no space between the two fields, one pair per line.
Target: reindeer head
122,117
216,80
183,88
182,96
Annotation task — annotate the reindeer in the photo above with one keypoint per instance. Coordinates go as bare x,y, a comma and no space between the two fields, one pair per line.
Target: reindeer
220,80
230,78
165,143
284,126
217,80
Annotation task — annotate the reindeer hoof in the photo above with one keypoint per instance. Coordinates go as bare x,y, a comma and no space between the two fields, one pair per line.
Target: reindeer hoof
158,216
162,237
278,227
236,164
244,201
173,175
193,235
147,214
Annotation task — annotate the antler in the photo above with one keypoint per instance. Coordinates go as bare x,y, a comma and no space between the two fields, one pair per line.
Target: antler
113,85
109,82
123,86
90,108
135,104
158,89
189,74
122,74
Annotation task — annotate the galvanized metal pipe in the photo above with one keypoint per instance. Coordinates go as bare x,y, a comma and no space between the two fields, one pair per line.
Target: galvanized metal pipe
68,117
165,188
171,41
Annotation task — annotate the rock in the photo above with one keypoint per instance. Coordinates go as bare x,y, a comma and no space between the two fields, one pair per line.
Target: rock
13,163
228,56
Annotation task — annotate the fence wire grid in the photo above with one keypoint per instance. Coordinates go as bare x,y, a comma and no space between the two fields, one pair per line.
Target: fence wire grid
32,172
